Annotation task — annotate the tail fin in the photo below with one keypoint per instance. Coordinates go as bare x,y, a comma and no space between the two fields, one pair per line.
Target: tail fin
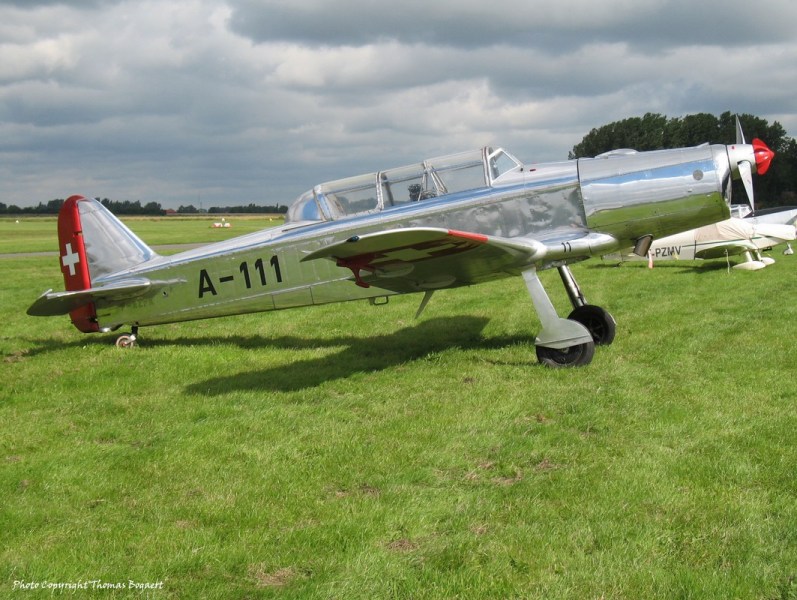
94,243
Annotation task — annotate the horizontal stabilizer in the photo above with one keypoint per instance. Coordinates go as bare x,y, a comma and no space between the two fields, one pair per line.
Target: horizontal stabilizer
60,303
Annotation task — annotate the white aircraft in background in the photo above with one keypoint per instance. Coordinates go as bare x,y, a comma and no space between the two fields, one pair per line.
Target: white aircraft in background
735,236
786,215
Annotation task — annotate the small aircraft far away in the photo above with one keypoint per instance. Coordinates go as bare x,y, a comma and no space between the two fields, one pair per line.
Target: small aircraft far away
445,222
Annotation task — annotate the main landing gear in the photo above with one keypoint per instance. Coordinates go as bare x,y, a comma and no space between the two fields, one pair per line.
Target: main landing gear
127,340
568,342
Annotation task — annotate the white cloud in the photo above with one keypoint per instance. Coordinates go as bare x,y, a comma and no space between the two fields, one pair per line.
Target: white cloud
36,60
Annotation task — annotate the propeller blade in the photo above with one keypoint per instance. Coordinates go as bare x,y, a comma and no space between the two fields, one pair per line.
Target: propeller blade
742,156
746,175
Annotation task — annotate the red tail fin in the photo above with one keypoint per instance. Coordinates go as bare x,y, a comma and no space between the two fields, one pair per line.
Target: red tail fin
74,262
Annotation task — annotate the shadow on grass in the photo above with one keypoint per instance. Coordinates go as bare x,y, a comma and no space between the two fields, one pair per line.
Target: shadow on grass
359,354
673,266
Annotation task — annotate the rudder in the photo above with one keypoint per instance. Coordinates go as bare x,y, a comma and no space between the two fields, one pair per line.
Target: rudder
93,243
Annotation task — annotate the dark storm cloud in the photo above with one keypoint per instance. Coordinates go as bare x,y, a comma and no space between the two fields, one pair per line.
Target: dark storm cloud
553,26
73,4
80,4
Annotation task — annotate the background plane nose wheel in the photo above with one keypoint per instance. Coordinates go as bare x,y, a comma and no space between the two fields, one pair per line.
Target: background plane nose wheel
574,356
598,321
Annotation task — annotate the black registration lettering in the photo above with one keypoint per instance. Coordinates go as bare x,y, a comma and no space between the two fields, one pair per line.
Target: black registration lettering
261,271
665,252
206,282
276,264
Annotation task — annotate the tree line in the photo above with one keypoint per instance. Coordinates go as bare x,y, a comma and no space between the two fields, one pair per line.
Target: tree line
248,209
657,132
130,208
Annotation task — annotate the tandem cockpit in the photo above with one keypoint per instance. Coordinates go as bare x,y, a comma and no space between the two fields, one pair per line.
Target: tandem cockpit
384,190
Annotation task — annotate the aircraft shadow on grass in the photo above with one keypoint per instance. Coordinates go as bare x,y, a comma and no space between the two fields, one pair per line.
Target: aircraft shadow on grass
359,355
675,267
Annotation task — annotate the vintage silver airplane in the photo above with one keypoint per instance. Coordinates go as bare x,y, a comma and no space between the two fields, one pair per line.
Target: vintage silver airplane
446,222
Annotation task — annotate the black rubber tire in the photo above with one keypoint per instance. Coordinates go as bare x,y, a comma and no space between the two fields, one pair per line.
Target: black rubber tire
598,321
575,356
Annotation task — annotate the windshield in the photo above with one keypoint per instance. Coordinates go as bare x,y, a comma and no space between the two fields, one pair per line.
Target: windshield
362,194
502,163
304,208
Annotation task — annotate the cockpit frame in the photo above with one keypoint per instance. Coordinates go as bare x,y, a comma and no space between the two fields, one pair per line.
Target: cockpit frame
384,190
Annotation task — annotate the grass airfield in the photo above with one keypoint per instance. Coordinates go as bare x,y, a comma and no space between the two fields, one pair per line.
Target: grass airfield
351,451
39,233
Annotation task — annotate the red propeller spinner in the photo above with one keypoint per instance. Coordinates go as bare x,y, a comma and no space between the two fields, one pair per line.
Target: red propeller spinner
763,156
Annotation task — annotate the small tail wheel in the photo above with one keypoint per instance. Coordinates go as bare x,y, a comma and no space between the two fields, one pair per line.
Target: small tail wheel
127,340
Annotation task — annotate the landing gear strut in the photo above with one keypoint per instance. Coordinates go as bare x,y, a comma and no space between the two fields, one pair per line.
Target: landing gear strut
597,320
568,342
127,340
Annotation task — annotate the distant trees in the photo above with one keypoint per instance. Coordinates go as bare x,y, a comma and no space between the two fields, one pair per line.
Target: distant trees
51,208
655,132
126,207
250,208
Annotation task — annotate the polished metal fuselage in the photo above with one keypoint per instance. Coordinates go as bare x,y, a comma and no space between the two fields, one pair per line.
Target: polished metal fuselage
621,197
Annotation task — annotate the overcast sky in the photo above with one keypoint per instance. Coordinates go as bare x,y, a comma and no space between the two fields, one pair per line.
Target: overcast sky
227,102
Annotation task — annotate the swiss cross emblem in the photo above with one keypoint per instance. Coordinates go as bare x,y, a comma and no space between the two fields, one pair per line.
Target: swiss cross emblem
69,259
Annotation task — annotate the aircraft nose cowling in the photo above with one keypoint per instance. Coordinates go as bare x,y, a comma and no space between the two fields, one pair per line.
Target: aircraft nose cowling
763,156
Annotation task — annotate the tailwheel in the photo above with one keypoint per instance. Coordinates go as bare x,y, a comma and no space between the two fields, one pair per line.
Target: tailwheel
598,321
127,340
574,356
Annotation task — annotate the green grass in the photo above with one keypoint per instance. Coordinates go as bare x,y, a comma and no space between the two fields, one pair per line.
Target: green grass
39,234
350,451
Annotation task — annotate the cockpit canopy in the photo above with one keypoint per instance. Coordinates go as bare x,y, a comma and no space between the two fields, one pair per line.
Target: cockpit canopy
363,194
